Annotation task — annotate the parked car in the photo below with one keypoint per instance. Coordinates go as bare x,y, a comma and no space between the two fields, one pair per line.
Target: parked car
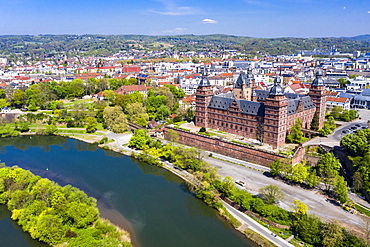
239,182
357,125
353,127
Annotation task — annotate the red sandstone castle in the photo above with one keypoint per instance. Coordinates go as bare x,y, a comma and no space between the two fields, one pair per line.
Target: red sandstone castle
266,116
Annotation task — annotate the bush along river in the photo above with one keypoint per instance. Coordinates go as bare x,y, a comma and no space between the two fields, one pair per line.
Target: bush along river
150,202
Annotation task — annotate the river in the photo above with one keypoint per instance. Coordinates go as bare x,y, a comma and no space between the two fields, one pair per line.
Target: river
152,203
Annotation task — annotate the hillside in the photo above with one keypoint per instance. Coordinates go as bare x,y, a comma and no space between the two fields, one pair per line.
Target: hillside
44,46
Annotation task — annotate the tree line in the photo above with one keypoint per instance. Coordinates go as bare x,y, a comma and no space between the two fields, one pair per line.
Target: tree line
358,147
113,112
54,214
210,187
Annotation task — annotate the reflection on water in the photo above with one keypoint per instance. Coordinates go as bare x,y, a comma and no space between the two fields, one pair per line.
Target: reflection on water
12,235
150,202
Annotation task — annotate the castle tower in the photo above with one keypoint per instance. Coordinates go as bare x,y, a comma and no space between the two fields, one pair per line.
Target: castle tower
203,96
243,86
275,116
318,96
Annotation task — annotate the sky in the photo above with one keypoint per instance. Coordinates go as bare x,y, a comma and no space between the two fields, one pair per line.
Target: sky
252,18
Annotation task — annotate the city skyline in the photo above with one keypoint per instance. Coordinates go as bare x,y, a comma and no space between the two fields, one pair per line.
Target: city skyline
254,18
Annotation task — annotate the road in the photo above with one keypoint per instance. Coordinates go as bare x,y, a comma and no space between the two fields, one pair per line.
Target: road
334,139
314,199
256,227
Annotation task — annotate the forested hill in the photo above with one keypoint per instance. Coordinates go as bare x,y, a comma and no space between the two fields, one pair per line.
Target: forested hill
48,45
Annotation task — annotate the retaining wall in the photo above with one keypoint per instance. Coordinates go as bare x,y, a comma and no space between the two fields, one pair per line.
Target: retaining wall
239,151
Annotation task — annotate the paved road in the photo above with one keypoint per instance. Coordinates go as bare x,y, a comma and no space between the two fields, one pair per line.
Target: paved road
314,199
121,139
256,227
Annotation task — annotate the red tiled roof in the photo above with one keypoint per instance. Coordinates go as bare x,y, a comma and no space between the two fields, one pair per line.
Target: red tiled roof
339,99
330,93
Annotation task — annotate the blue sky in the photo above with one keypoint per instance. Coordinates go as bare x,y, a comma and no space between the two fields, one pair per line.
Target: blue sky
254,18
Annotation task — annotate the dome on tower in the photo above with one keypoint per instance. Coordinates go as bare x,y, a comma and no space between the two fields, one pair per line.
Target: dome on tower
204,82
277,89
318,81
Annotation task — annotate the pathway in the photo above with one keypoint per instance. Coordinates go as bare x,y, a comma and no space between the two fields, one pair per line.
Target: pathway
256,227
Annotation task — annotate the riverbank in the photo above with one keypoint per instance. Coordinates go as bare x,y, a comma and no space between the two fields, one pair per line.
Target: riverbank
259,237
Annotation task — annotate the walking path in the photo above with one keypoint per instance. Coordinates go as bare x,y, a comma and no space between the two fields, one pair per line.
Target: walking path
256,227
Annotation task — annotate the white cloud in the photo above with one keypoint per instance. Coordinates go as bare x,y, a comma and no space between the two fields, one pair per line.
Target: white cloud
209,21
344,7
368,12
175,30
172,9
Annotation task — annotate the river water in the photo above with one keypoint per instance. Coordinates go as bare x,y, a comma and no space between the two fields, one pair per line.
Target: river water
152,203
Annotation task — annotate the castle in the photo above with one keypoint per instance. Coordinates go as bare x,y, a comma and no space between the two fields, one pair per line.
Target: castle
266,116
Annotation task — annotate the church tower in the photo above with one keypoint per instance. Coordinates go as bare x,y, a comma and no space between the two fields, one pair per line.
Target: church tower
318,96
276,106
203,96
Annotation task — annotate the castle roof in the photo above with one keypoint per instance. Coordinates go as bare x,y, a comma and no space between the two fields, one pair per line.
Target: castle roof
293,103
222,101
251,107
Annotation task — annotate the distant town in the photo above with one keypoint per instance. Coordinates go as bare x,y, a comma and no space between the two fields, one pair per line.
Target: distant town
346,77
280,138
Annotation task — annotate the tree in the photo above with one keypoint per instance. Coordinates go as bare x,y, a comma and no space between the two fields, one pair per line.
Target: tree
296,135
299,209
329,165
4,103
299,173
92,124
109,95
202,129
172,135
134,110
19,98
228,186
162,112
142,121
328,169
271,193
139,139
276,168
332,234
357,181
315,121
342,82
312,180
329,127
115,119
309,228
336,112
340,189
50,129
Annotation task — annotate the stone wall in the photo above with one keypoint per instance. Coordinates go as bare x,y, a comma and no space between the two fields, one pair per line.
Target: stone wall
239,151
